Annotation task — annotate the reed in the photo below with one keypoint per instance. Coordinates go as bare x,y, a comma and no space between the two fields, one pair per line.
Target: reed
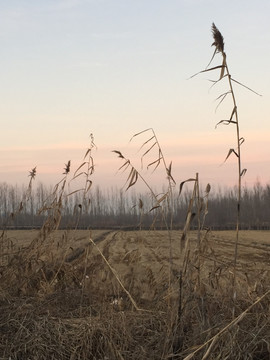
232,120
161,202
133,295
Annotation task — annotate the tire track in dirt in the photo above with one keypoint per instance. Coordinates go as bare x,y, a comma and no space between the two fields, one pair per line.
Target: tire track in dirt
247,252
103,236
78,252
253,245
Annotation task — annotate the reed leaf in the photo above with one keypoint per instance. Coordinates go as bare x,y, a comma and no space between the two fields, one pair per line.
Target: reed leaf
118,153
243,172
206,70
231,151
248,88
183,182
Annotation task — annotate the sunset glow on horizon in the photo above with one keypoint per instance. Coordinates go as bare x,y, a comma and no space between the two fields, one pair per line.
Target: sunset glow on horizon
115,68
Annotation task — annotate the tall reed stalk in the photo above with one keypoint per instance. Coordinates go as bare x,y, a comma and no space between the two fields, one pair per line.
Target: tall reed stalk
152,145
233,120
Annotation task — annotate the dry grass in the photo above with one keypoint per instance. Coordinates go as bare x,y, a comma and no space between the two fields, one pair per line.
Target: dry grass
134,295
66,303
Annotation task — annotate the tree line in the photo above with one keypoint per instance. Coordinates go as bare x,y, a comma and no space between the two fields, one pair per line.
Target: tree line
21,207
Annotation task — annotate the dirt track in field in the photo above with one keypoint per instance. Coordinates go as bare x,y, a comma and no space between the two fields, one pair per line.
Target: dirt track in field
145,261
97,279
253,246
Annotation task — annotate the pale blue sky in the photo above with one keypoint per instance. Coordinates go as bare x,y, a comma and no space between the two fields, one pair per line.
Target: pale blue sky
113,68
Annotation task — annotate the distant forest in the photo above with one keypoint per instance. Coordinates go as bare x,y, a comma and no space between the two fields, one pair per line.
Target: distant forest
21,208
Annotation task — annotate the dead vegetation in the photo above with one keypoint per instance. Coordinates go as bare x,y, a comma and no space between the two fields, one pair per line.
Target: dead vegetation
133,295
68,303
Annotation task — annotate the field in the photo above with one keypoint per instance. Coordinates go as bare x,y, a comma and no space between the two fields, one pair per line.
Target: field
134,295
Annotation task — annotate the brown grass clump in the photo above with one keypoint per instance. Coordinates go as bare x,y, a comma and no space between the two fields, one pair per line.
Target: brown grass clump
71,304
67,306
31,330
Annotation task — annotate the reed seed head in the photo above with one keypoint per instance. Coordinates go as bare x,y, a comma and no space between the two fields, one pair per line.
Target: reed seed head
67,168
33,173
219,40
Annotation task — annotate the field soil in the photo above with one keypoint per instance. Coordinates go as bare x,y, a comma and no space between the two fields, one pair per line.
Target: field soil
131,294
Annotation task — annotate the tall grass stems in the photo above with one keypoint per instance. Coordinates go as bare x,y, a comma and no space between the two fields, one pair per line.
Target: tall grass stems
233,120
141,294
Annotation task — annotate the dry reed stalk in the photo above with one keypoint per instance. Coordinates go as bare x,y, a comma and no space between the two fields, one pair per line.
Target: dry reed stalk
190,213
86,170
191,276
116,276
84,276
219,47
6,245
25,198
54,204
44,244
211,342
153,144
233,120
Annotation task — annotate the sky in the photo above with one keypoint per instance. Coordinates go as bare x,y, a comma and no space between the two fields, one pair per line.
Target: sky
113,68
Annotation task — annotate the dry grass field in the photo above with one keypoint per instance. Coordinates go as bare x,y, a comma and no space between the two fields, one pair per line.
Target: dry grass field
133,295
